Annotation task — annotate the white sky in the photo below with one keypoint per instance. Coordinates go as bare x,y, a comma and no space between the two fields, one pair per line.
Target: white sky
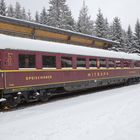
127,10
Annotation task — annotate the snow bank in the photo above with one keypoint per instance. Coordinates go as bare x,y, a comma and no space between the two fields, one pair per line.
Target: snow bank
107,115
9,42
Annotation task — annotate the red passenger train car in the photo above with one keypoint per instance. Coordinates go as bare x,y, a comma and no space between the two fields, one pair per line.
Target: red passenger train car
32,70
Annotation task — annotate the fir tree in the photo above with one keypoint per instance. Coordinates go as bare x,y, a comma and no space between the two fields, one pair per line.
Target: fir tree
124,46
130,41
18,14
37,18
23,14
43,16
110,31
137,36
84,24
117,35
107,29
100,25
59,15
29,17
2,8
10,11
67,21
54,13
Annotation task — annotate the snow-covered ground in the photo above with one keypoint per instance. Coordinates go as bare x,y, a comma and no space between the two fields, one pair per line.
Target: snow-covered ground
106,115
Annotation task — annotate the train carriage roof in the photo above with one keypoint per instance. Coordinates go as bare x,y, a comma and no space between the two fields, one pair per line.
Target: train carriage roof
17,43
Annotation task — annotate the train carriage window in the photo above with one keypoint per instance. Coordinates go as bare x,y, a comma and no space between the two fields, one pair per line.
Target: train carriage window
66,62
118,63
127,64
111,63
81,62
26,61
137,63
49,61
92,63
102,63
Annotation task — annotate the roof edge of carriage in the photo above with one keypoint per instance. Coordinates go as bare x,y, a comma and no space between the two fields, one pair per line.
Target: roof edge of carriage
43,32
26,44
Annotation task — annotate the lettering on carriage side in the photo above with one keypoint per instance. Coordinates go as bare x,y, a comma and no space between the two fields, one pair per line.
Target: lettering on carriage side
42,77
98,74
132,72
11,85
89,74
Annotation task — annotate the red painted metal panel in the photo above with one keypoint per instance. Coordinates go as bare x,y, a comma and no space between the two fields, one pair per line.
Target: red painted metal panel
10,60
0,60
42,77
19,79
1,74
1,80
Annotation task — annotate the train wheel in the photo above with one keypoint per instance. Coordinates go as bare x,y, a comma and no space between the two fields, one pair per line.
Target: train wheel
44,97
11,102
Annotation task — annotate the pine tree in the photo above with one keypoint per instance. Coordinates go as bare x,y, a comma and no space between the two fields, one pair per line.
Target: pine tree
130,41
23,14
37,18
29,17
59,15
110,31
18,13
10,11
137,36
2,8
117,35
124,46
107,29
43,16
54,13
85,24
67,21
100,25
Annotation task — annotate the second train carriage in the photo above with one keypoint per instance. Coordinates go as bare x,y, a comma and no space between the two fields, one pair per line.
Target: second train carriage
32,70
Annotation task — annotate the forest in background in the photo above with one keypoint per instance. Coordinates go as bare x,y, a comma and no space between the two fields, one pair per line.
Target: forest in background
59,15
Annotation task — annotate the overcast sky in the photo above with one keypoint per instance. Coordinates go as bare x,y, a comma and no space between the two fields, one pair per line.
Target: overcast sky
127,10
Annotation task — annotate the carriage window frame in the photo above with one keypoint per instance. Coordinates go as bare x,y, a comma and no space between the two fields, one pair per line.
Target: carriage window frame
68,64
118,63
81,65
127,63
27,60
48,61
111,65
92,65
137,64
103,63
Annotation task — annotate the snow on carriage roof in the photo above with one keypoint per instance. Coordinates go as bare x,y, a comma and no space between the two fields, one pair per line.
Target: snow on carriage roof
17,43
